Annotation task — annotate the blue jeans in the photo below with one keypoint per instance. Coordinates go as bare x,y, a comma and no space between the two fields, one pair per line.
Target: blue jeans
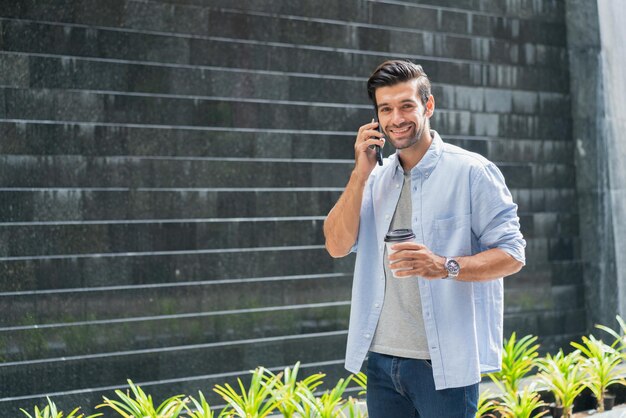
404,388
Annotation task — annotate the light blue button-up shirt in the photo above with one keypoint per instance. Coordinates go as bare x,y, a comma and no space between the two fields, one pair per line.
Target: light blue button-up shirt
461,207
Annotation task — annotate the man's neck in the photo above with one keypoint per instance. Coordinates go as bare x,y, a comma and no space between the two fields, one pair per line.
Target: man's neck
410,157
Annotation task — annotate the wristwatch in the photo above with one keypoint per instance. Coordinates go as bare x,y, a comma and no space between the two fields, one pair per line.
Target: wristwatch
453,268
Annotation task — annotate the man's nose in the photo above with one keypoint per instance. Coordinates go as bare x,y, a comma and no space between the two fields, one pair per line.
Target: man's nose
396,117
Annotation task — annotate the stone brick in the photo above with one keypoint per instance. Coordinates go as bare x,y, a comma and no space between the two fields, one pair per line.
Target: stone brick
157,236
65,272
102,308
156,364
455,22
14,71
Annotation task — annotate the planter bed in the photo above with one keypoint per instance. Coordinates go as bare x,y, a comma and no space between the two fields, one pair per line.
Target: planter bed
617,412
584,406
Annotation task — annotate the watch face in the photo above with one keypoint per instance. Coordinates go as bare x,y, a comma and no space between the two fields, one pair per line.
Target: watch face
453,267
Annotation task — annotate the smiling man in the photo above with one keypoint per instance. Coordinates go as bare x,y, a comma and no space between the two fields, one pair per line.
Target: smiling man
434,329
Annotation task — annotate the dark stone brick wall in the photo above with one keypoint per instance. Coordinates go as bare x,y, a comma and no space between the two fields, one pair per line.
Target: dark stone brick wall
166,166
597,55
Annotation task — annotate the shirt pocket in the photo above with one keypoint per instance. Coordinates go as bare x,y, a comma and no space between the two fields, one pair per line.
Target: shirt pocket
452,237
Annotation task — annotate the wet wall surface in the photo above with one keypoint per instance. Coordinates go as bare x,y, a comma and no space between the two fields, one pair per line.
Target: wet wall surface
166,167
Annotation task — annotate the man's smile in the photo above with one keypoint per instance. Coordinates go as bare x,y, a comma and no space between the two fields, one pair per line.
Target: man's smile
401,130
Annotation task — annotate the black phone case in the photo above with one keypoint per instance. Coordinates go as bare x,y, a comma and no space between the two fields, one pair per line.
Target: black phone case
379,151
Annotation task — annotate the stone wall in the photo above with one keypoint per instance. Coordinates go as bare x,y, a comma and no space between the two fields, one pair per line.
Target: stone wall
597,56
166,166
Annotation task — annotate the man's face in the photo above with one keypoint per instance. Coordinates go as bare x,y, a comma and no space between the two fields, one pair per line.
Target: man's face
401,113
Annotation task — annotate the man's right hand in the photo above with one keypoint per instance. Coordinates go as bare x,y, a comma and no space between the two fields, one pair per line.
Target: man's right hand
364,156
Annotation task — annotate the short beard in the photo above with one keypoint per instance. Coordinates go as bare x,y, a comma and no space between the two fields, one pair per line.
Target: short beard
417,138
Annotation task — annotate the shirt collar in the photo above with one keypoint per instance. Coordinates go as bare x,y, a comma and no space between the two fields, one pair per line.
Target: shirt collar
429,160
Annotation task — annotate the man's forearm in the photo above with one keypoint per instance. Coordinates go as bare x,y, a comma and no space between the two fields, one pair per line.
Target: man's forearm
341,227
488,265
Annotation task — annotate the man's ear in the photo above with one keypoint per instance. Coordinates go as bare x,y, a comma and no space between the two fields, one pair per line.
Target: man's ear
430,106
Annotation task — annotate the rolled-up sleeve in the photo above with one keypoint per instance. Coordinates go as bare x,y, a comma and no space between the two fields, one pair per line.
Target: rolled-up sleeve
494,214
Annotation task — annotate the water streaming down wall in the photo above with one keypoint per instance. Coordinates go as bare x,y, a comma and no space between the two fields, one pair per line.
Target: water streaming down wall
165,168
596,54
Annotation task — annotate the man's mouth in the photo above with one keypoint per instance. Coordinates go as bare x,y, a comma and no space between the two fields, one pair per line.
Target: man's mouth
401,130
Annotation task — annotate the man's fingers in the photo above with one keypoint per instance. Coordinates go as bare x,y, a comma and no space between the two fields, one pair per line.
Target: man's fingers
404,264
368,126
368,137
369,143
408,246
413,252
405,273
370,133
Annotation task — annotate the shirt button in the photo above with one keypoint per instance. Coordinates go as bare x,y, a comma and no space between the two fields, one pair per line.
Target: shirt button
377,305
387,216
366,335
397,186
382,277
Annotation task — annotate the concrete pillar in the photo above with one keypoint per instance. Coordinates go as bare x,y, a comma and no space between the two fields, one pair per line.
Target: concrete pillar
596,35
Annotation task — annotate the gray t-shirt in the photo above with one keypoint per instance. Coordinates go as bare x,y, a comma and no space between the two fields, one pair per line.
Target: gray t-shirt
400,331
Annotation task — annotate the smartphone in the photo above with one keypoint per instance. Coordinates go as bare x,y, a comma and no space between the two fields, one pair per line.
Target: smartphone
379,151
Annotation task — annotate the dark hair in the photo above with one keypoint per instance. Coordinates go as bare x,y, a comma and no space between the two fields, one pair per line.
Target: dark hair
398,71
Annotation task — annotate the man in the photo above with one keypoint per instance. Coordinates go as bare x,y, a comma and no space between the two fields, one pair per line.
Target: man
432,331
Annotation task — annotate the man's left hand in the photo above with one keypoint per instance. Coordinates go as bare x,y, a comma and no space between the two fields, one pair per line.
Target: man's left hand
418,260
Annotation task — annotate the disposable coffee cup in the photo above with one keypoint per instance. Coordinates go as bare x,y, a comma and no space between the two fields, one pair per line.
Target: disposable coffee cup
395,237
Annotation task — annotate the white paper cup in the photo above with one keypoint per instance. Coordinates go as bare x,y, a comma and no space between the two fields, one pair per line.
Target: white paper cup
395,237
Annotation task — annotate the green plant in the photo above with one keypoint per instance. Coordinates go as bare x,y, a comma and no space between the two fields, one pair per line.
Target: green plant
257,402
620,339
518,359
141,404
353,409
564,377
361,379
600,367
201,407
286,389
521,404
327,405
486,404
51,411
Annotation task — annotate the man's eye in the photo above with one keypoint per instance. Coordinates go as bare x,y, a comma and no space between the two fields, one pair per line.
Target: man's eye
384,109
408,106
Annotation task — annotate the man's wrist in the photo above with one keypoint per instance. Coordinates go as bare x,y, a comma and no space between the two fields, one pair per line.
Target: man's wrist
358,178
443,271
